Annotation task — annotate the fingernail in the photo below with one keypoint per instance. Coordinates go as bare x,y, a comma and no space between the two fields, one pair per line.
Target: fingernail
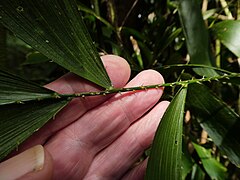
28,161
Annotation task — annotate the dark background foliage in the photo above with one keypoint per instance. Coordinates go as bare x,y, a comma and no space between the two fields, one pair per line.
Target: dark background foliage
149,35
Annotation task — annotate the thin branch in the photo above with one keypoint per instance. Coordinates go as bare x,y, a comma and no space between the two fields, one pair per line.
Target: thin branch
129,12
194,66
130,89
156,86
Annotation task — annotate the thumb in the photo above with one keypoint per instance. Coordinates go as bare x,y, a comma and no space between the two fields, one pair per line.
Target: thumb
34,163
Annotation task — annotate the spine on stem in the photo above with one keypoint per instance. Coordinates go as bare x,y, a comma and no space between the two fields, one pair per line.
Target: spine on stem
129,89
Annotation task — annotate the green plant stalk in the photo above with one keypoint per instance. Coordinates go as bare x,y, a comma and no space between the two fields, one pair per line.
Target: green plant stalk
87,10
112,13
96,7
194,65
139,88
84,9
129,89
218,55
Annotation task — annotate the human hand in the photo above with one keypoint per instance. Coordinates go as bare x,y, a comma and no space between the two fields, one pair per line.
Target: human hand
101,137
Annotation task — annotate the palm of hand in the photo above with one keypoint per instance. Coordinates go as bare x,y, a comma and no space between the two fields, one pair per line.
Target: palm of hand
102,137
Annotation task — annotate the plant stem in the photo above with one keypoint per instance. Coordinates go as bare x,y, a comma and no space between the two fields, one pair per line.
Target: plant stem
104,21
156,86
96,7
218,55
193,65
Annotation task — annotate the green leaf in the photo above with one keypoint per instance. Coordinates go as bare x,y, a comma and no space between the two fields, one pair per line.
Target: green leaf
35,58
85,9
207,14
220,121
127,31
187,166
187,162
197,173
14,89
228,32
19,121
214,168
56,29
166,153
196,34
168,37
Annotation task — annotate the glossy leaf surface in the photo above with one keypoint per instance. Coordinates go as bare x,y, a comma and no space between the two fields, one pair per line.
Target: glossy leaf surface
165,157
228,32
214,168
220,121
196,35
56,29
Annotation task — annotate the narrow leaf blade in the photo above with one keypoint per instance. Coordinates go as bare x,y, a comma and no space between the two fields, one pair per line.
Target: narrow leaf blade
14,89
196,34
214,168
220,121
55,29
165,157
19,121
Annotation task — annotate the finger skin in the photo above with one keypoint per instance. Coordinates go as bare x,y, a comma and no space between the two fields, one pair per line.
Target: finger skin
86,127
128,147
137,172
34,163
113,117
46,173
82,140
119,73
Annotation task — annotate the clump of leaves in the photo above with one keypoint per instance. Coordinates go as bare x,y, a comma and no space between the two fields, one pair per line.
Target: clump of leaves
56,30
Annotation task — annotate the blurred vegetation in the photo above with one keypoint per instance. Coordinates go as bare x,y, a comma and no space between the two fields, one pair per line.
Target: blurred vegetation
149,35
